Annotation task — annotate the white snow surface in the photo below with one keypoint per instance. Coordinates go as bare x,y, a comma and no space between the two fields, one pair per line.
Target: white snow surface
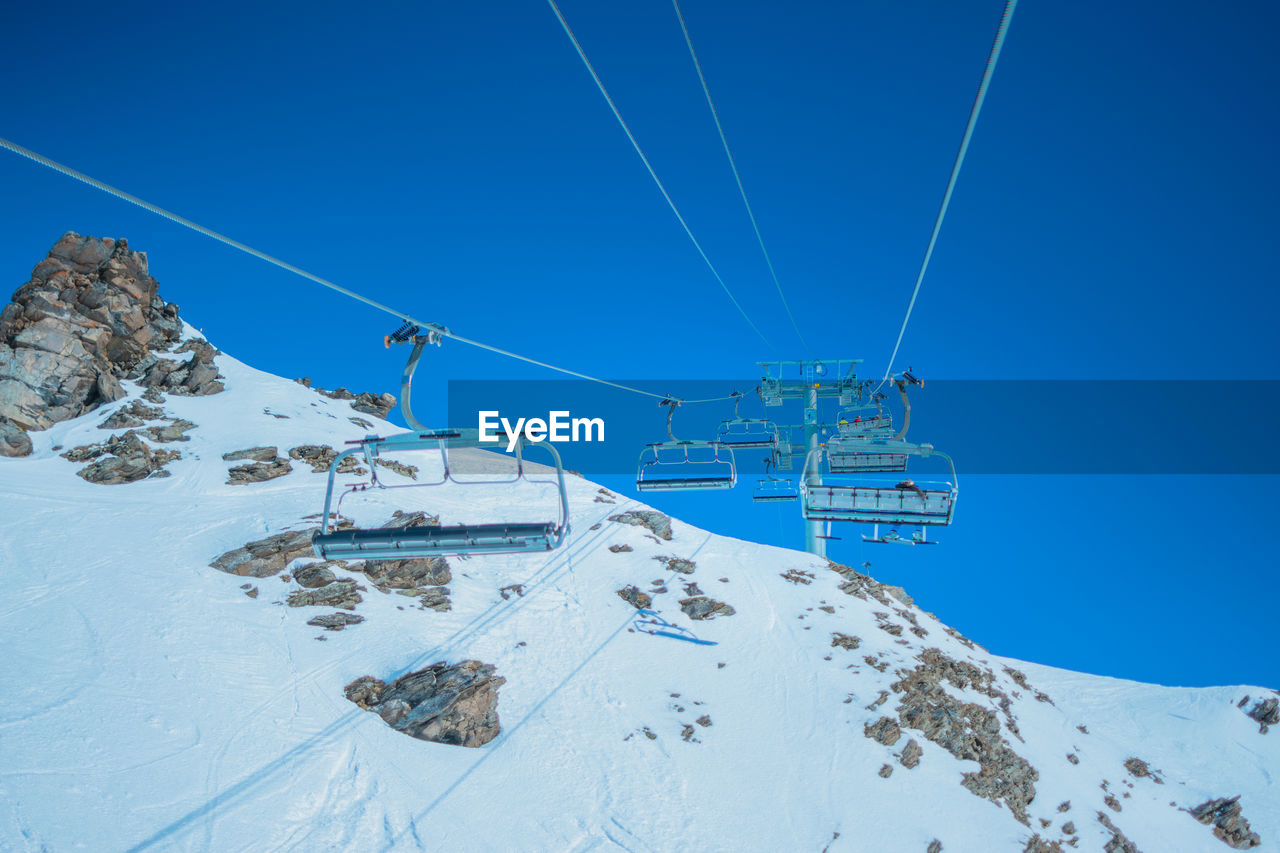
150,704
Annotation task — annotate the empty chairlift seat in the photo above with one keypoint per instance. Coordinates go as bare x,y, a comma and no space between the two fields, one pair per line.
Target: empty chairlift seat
775,489
686,466
500,537
748,433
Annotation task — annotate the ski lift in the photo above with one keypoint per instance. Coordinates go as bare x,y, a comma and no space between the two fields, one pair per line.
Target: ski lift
880,502
742,433
385,543
774,489
685,465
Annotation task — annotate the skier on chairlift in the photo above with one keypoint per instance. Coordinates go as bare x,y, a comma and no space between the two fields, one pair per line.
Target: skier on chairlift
910,485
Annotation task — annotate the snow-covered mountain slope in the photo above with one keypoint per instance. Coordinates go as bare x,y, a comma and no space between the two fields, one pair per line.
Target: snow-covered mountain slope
150,703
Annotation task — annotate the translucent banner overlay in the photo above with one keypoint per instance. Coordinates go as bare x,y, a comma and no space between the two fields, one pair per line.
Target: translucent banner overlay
988,427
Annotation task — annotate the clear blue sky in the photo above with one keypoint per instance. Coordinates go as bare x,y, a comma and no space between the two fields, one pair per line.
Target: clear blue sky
1115,219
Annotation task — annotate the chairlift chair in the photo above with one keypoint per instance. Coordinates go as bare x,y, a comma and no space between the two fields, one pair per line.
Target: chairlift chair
386,543
742,433
774,489
677,465
871,502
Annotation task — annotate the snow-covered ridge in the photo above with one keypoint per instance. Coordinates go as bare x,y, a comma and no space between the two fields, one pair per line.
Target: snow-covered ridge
152,704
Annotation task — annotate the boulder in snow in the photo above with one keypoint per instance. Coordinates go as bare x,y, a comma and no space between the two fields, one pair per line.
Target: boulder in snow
455,704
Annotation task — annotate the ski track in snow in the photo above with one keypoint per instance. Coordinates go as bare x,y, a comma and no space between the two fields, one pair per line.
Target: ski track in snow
150,698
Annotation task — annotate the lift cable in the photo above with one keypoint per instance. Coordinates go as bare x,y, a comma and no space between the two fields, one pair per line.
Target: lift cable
653,174
724,141
992,58
236,244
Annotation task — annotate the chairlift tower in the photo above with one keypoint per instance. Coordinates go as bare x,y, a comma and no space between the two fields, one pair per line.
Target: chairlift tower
810,381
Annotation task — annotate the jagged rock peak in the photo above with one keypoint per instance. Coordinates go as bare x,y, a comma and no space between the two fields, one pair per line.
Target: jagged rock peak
90,313
90,316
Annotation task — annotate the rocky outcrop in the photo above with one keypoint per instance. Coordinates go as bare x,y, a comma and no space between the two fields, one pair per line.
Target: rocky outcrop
122,458
195,377
335,621
969,731
864,586
649,519
343,594
321,456
258,472
455,704
632,595
14,440
253,454
1229,825
314,575
408,574
677,564
377,405
703,607
265,557
1266,712
135,414
89,316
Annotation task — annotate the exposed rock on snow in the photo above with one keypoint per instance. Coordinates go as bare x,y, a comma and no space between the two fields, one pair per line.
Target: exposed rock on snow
1266,712
844,641
455,704
414,573
121,459
370,404
620,549
135,414
637,599
400,518
258,472
431,598
86,319
1229,825
410,471
321,456
1142,770
649,519
1036,844
176,431
14,440
861,586
967,730
315,575
704,607
256,454
196,377
343,594
335,621
884,730
1118,842
265,557
677,564
911,753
